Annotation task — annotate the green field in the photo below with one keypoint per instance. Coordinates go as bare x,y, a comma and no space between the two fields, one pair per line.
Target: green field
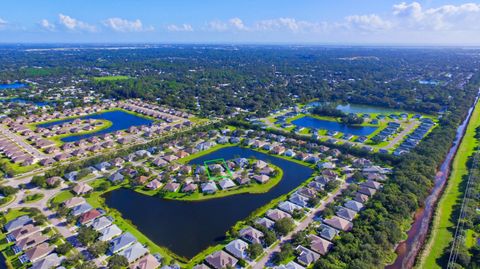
110,78
442,225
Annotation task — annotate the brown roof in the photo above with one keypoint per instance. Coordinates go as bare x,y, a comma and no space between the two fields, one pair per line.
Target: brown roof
319,244
221,259
147,262
38,252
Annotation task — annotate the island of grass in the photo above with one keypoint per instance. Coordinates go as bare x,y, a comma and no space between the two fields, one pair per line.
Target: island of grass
104,124
31,198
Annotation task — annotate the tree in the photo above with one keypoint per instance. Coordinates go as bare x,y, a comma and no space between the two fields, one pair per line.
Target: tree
8,190
39,181
117,262
98,248
87,265
301,238
64,248
286,251
284,226
87,235
254,250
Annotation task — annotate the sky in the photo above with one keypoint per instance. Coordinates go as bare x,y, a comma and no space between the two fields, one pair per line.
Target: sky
347,22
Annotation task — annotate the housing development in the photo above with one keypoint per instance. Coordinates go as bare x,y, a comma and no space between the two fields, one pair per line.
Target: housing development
211,156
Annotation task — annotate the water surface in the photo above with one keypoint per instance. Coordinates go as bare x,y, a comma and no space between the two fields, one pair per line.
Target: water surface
187,228
121,120
16,85
311,122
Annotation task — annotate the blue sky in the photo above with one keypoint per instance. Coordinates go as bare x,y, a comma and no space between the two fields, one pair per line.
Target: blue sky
242,21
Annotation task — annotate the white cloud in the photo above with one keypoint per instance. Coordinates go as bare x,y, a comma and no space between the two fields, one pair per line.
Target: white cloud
217,26
123,25
237,23
3,23
443,18
370,22
47,25
290,24
180,28
74,24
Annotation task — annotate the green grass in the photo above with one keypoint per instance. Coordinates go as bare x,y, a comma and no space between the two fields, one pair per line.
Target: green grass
470,238
442,225
61,197
16,168
33,197
110,78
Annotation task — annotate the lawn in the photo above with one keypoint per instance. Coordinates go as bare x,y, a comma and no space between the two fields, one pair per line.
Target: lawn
33,197
442,225
16,168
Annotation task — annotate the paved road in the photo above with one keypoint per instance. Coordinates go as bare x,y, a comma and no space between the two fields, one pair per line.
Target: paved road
402,134
262,263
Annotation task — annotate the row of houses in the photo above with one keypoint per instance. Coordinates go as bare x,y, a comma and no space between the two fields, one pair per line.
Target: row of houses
120,243
412,139
31,243
15,152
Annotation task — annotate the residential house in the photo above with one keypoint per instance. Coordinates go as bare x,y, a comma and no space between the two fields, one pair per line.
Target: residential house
122,242
82,188
37,253
226,183
339,223
221,260
346,213
116,177
306,256
209,187
319,244
267,223
288,206
172,187
237,248
51,261
154,184
17,223
133,252
74,201
261,178
100,223
353,205
277,214
80,209
251,235
23,232
106,234
89,216
146,262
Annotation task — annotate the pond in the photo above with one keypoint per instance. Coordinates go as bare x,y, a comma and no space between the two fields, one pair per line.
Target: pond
121,120
311,122
23,101
187,228
16,85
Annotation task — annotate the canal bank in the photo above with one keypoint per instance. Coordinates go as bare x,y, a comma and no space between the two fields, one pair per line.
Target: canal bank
408,250
444,221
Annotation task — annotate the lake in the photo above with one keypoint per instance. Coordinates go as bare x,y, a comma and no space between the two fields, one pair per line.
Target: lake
187,228
311,122
121,120
16,85
362,109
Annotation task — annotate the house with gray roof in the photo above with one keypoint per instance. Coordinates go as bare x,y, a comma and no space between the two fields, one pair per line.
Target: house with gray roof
226,183
327,232
267,223
290,265
306,256
106,234
80,209
122,242
51,261
353,205
237,248
116,177
299,200
100,223
17,223
346,213
133,252
209,187
288,206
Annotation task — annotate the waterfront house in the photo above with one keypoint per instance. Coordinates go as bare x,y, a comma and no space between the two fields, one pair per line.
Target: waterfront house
146,262
277,214
122,242
288,206
221,260
299,200
267,223
261,178
190,187
172,187
226,183
209,187
237,248
251,235
106,234
154,184
133,252
116,177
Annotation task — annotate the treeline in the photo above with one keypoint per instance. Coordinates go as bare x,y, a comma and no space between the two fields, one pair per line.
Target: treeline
381,225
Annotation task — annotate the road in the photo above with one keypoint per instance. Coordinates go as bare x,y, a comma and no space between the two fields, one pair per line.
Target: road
398,138
21,143
262,263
